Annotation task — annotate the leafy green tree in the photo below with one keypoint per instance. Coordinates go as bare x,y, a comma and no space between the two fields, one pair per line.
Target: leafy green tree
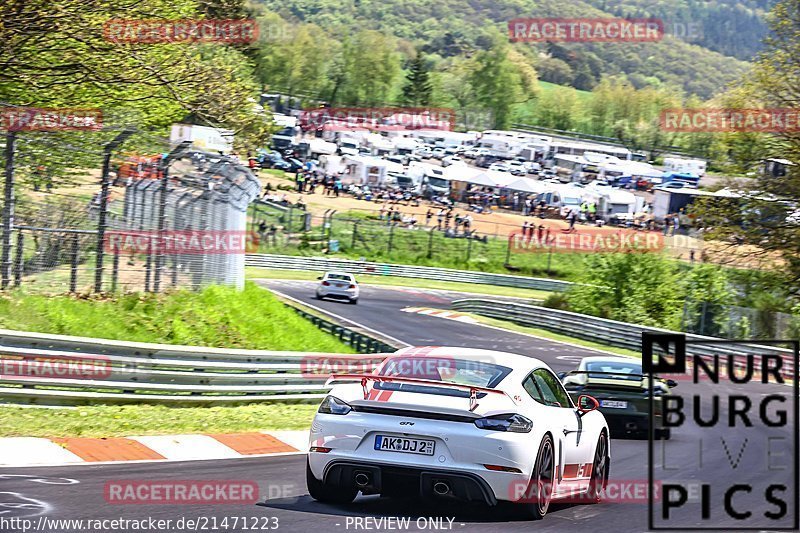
502,79
641,288
418,90
761,223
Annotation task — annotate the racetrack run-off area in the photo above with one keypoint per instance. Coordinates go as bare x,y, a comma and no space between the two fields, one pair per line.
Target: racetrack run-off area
281,480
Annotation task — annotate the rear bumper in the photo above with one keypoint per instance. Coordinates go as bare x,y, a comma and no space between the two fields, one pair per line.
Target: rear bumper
460,449
408,481
333,292
628,423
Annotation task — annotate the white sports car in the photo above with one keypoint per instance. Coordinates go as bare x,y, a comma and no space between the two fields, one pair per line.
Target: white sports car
458,423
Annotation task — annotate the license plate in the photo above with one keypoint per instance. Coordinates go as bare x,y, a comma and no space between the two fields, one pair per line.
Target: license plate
614,404
386,443
340,285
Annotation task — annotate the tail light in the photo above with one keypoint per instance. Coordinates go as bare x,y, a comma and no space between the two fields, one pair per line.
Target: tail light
352,286
320,449
510,422
500,468
326,283
332,405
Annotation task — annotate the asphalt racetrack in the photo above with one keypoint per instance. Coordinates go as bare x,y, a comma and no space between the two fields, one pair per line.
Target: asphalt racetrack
693,455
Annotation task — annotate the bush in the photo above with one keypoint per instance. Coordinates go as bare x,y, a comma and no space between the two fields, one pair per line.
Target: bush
648,289
557,300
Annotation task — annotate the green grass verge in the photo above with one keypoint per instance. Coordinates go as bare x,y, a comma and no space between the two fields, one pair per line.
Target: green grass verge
216,316
511,326
253,273
135,420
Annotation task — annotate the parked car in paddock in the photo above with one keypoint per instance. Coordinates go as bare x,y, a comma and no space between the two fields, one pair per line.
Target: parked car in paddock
517,168
457,424
339,285
623,392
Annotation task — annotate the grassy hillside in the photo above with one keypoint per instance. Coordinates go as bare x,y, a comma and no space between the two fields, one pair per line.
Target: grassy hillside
453,27
217,317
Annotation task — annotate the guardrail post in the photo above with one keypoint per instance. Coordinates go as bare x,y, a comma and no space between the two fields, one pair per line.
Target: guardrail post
73,273
19,259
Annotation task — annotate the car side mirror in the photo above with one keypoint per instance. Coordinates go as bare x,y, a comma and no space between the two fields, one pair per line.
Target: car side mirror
587,404
319,277
672,383
561,375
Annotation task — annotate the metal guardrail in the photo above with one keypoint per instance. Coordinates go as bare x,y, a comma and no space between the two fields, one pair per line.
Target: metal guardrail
124,372
322,264
603,330
362,343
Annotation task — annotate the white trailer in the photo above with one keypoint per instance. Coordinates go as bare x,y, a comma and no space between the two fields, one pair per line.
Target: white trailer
203,137
679,165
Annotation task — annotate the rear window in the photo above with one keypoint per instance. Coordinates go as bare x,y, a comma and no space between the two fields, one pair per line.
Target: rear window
620,369
460,371
340,277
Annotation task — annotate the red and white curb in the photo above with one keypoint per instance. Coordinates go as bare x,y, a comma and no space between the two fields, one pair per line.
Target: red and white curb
441,313
35,451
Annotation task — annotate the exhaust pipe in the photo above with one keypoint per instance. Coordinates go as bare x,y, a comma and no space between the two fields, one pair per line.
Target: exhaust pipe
362,479
441,488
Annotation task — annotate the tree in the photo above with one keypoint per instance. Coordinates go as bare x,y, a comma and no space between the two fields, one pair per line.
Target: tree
761,223
367,69
417,90
502,78
56,54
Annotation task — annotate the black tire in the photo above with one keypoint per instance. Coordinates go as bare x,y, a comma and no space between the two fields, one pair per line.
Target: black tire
317,296
327,493
354,301
540,487
600,467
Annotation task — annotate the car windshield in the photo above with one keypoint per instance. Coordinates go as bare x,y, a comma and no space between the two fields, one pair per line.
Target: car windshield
621,369
447,369
340,277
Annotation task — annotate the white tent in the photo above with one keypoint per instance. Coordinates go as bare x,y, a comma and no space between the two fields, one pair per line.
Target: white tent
465,174
501,179
527,185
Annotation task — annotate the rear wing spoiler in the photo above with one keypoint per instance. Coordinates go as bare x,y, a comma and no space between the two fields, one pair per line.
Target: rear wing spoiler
365,378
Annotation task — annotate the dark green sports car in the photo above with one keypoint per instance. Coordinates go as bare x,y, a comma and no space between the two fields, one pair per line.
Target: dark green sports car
623,392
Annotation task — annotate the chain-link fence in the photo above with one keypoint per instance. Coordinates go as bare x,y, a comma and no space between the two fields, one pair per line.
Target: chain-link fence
77,218
736,322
